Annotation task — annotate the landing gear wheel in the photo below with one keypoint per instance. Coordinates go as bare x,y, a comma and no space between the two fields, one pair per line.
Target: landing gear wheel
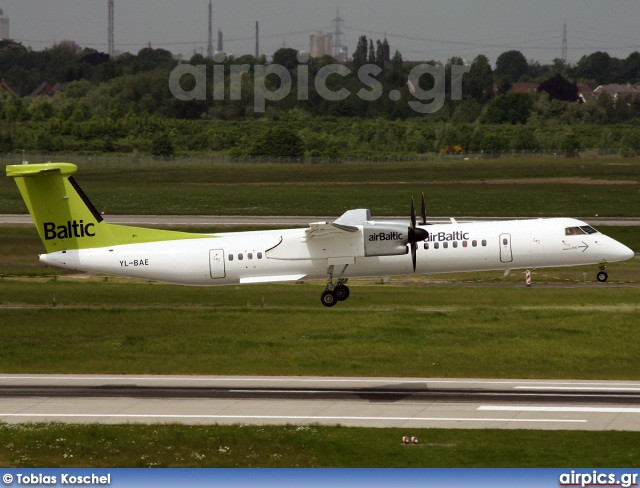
602,276
329,299
342,292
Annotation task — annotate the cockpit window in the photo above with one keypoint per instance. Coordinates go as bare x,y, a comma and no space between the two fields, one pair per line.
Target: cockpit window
588,229
579,231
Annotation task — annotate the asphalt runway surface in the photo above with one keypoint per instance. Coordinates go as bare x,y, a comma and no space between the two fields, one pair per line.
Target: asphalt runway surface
363,402
280,221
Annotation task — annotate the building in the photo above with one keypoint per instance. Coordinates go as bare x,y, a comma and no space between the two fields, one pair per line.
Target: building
321,45
7,89
46,89
615,90
4,27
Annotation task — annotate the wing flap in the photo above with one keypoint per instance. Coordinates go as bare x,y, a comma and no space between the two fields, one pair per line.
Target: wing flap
271,279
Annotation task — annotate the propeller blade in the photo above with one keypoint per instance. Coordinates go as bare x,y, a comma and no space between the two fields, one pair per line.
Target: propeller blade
414,250
413,214
424,212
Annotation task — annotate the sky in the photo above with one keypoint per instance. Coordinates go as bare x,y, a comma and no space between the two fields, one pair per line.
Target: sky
419,29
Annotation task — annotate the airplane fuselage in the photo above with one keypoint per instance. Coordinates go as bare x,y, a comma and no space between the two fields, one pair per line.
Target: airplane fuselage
255,257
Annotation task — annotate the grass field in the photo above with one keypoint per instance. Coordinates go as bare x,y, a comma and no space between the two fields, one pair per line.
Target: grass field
506,331
520,187
57,445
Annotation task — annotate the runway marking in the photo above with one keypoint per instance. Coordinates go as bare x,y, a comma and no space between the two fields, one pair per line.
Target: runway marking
581,388
503,408
281,417
530,385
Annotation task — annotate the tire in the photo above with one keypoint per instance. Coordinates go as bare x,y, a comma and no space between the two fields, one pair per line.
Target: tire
602,276
342,292
328,299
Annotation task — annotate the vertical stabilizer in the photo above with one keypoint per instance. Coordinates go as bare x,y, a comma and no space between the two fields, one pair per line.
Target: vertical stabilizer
64,216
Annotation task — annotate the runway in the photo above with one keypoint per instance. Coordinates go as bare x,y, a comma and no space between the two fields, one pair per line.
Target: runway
283,221
370,402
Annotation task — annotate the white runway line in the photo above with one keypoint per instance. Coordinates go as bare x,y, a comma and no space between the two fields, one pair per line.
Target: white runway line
521,385
504,408
581,388
280,417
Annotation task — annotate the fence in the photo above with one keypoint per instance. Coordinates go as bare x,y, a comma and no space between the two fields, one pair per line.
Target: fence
109,160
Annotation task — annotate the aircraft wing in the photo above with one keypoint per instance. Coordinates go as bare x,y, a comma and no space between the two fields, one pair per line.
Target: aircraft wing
349,222
338,239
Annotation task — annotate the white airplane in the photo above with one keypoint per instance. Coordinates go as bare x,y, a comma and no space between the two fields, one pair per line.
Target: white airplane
76,236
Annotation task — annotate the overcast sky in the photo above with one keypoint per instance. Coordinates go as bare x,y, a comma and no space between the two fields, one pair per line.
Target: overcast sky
419,29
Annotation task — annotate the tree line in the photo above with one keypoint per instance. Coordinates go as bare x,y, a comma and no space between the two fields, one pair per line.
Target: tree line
125,105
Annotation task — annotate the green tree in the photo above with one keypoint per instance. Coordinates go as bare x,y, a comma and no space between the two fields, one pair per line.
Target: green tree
162,146
511,108
571,144
511,66
360,54
278,142
595,66
478,83
493,143
286,57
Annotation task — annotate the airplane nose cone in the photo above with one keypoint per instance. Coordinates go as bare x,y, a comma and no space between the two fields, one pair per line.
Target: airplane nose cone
620,252
627,253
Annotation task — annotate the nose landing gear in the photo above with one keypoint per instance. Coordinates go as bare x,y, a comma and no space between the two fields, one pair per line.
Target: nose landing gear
602,276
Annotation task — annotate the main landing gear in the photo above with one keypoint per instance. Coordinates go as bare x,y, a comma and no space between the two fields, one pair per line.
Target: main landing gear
602,274
335,292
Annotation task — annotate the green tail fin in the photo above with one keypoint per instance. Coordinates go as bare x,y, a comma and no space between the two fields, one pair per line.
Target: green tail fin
64,216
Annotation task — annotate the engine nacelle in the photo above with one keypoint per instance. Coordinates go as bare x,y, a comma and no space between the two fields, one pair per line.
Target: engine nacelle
385,239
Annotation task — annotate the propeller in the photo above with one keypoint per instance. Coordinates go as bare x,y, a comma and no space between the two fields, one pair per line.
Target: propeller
424,212
416,234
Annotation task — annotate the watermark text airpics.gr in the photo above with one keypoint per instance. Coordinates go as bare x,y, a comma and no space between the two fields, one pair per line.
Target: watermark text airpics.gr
426,101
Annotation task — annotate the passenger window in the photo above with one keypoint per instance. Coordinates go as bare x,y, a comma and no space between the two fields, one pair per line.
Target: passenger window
455,244
445,245
250,256
436,245
426,245
465,243
259,255
230,257
484,243
240,257
474,243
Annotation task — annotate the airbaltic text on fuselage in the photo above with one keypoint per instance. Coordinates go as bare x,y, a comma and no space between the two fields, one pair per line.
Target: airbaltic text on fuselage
448,236
71,229
386,236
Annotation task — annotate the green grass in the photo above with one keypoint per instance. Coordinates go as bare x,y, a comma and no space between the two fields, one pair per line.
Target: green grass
425,331
103,446
453,188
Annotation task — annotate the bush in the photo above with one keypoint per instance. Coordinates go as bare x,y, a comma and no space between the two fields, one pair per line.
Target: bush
162,146
571,144
278,142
